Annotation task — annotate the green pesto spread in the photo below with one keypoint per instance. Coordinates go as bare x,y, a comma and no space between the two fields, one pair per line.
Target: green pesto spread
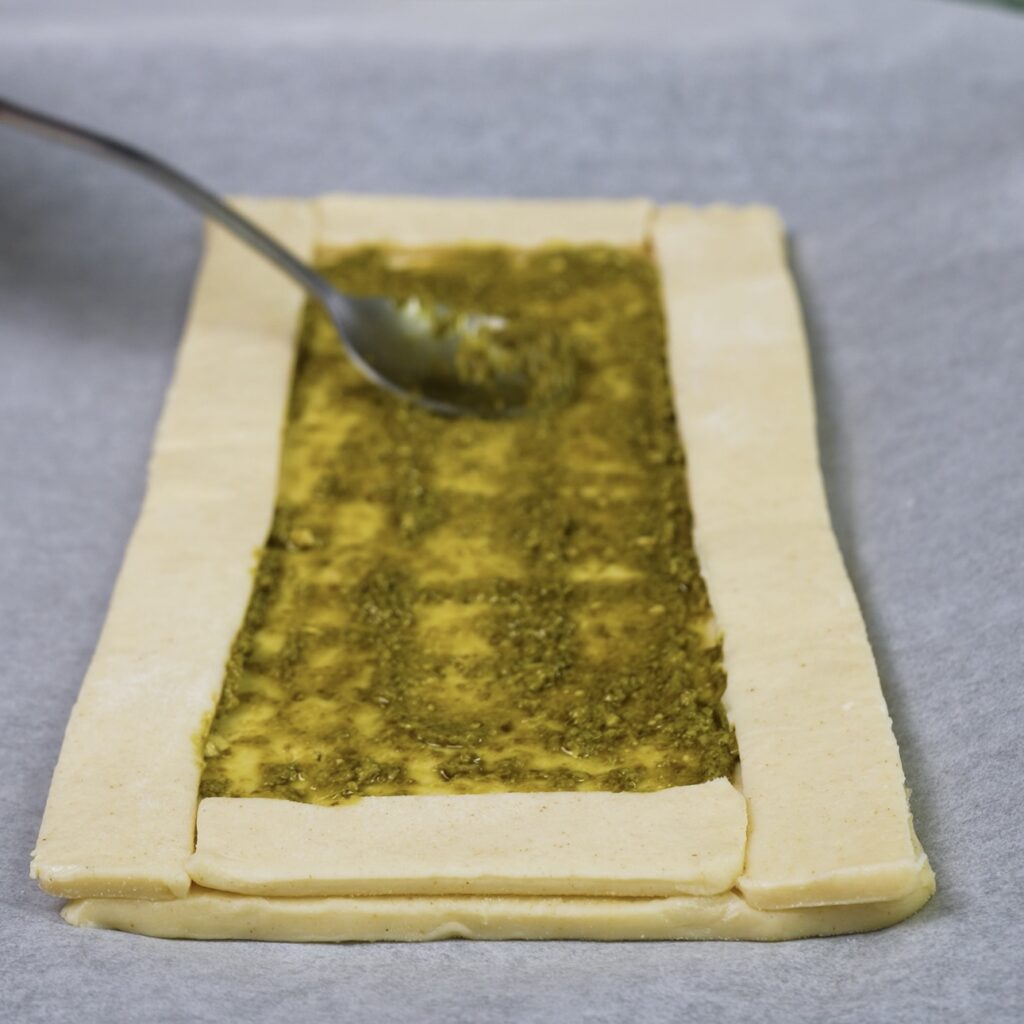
466,606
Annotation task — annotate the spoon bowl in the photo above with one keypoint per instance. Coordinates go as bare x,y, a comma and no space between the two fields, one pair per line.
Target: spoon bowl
401,348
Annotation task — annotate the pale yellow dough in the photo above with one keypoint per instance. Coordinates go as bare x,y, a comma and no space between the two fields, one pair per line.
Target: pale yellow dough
215,915
120,816
817,837
689,839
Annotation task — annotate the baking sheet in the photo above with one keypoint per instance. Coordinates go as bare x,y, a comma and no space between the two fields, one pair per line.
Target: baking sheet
890,135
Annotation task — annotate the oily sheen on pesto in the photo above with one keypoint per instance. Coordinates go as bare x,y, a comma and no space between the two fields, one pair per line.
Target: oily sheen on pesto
469,606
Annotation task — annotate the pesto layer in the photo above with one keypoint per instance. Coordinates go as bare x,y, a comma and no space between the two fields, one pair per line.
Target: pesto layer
469,606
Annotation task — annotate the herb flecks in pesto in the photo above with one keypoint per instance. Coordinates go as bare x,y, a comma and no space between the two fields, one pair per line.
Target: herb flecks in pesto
469,606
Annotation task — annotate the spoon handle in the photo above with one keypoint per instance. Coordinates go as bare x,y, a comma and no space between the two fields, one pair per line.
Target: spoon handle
173,180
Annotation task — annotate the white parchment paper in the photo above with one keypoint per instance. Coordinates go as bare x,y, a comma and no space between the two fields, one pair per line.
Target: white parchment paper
891,136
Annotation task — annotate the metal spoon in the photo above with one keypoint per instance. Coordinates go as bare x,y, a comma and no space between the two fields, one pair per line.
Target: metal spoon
395,346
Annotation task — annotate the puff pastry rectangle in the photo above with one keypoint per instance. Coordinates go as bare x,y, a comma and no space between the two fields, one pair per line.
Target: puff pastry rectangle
815,838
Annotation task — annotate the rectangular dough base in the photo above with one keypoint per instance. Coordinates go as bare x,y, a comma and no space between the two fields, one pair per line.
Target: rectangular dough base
204,914
829,846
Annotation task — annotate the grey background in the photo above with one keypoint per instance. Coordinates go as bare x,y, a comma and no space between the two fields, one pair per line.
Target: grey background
890,134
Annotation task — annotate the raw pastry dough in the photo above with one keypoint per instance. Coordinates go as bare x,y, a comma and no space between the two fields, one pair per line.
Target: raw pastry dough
214,915
829,821
829,844
120,816
688,839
